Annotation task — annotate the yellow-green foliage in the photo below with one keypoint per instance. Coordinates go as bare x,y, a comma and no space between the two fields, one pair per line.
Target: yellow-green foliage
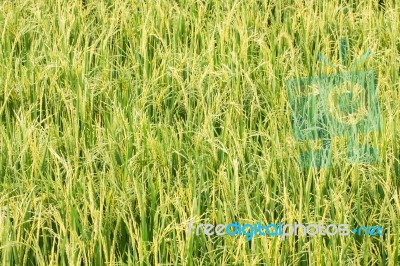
122,120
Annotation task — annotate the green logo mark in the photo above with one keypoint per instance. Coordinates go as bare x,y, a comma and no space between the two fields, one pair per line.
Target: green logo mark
341,104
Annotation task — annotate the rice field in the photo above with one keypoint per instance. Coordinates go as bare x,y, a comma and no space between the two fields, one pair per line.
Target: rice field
120,121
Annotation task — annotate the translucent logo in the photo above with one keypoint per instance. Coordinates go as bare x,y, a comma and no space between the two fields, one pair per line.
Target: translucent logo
343,104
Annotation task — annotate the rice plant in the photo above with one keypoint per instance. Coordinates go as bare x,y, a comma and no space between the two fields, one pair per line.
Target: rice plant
120,121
